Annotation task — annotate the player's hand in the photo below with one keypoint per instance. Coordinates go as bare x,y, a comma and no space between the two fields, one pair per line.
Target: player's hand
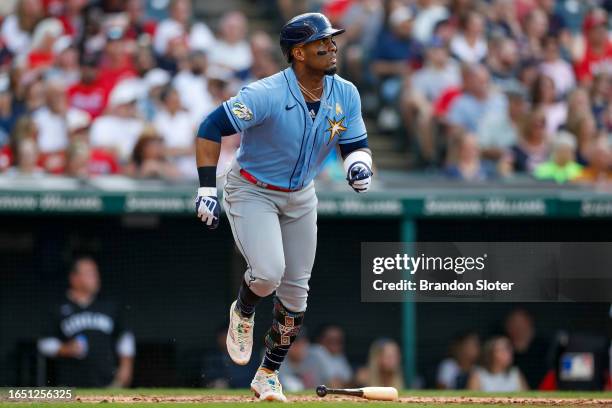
207,206
359,176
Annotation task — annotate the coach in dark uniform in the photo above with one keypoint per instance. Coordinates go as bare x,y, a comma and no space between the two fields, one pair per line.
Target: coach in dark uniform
86,335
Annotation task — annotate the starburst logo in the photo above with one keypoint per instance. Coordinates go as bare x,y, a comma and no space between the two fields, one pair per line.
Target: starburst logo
335,128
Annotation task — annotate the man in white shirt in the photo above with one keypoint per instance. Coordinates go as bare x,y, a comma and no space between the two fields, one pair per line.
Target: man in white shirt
231,50
175,126
192,86
197,35
119,130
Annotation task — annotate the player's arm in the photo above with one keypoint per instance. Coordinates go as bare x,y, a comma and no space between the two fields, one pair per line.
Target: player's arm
126,349
358,164
353,144
208,148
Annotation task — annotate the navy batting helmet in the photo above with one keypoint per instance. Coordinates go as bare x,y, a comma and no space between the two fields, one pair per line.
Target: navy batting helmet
305,28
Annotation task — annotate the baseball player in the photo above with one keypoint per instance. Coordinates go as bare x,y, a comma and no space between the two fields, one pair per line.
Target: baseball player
289,123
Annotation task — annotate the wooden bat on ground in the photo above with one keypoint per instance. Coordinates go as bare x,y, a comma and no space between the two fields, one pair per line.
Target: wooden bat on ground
371,393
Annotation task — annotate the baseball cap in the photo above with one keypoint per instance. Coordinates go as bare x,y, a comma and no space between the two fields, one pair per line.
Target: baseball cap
400,15
126,91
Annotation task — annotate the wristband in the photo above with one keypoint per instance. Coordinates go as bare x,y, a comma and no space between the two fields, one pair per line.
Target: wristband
207,176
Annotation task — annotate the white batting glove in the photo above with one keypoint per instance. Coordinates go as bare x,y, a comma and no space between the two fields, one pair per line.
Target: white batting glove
358,166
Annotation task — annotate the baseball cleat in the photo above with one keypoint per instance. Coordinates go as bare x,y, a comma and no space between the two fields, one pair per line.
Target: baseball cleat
239,339
266,386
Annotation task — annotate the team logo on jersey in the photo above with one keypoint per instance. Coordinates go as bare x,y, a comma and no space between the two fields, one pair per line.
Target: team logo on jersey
335,128
241,111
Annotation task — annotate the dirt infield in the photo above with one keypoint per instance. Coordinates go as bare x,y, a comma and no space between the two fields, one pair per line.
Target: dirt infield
331,399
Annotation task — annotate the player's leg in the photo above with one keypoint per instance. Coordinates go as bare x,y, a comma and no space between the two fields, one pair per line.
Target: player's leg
298,222
253,218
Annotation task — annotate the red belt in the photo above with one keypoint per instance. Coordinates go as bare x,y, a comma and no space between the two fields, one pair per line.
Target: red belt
251,178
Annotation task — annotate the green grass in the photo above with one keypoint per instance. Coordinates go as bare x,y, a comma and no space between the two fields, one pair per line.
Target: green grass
323,402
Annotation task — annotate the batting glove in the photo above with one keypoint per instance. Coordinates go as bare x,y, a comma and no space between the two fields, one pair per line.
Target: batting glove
359,177
207,206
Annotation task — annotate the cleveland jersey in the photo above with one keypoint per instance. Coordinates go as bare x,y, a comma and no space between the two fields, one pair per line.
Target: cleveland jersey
100,326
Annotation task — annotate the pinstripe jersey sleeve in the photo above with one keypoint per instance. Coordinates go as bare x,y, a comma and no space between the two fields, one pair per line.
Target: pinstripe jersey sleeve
355,127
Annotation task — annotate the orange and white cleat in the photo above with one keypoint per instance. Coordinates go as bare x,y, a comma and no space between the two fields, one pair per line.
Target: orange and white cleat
240,336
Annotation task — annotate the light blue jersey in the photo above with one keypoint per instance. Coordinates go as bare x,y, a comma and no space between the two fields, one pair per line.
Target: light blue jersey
281,144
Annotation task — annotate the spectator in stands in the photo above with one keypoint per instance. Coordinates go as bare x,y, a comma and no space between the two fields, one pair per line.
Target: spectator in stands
87,336
264,61
197,36
150,89
192,86
543,96
533,146
503,61
35,92
530,351
498,131
428,14
497,373
578,105
584,128
597,51
384,367
175,126
601,98
66,67
8,114
77,160
329,357
363,21
138,27
535,29
299,371
425,86
148,160
231,50
17,28
502,20
70,13
556,68
562,166
52,130
469,45
83,160
119,130
476,100
599,170
395,53
115,63
464,160
43,45
454,371
89,94
26,159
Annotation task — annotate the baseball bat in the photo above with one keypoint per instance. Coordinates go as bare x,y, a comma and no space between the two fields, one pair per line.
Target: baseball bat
371,393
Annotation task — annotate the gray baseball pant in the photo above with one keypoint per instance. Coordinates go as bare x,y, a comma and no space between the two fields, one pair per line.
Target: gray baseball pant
276,232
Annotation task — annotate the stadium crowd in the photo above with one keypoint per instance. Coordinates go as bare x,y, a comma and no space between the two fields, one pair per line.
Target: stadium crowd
471,89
